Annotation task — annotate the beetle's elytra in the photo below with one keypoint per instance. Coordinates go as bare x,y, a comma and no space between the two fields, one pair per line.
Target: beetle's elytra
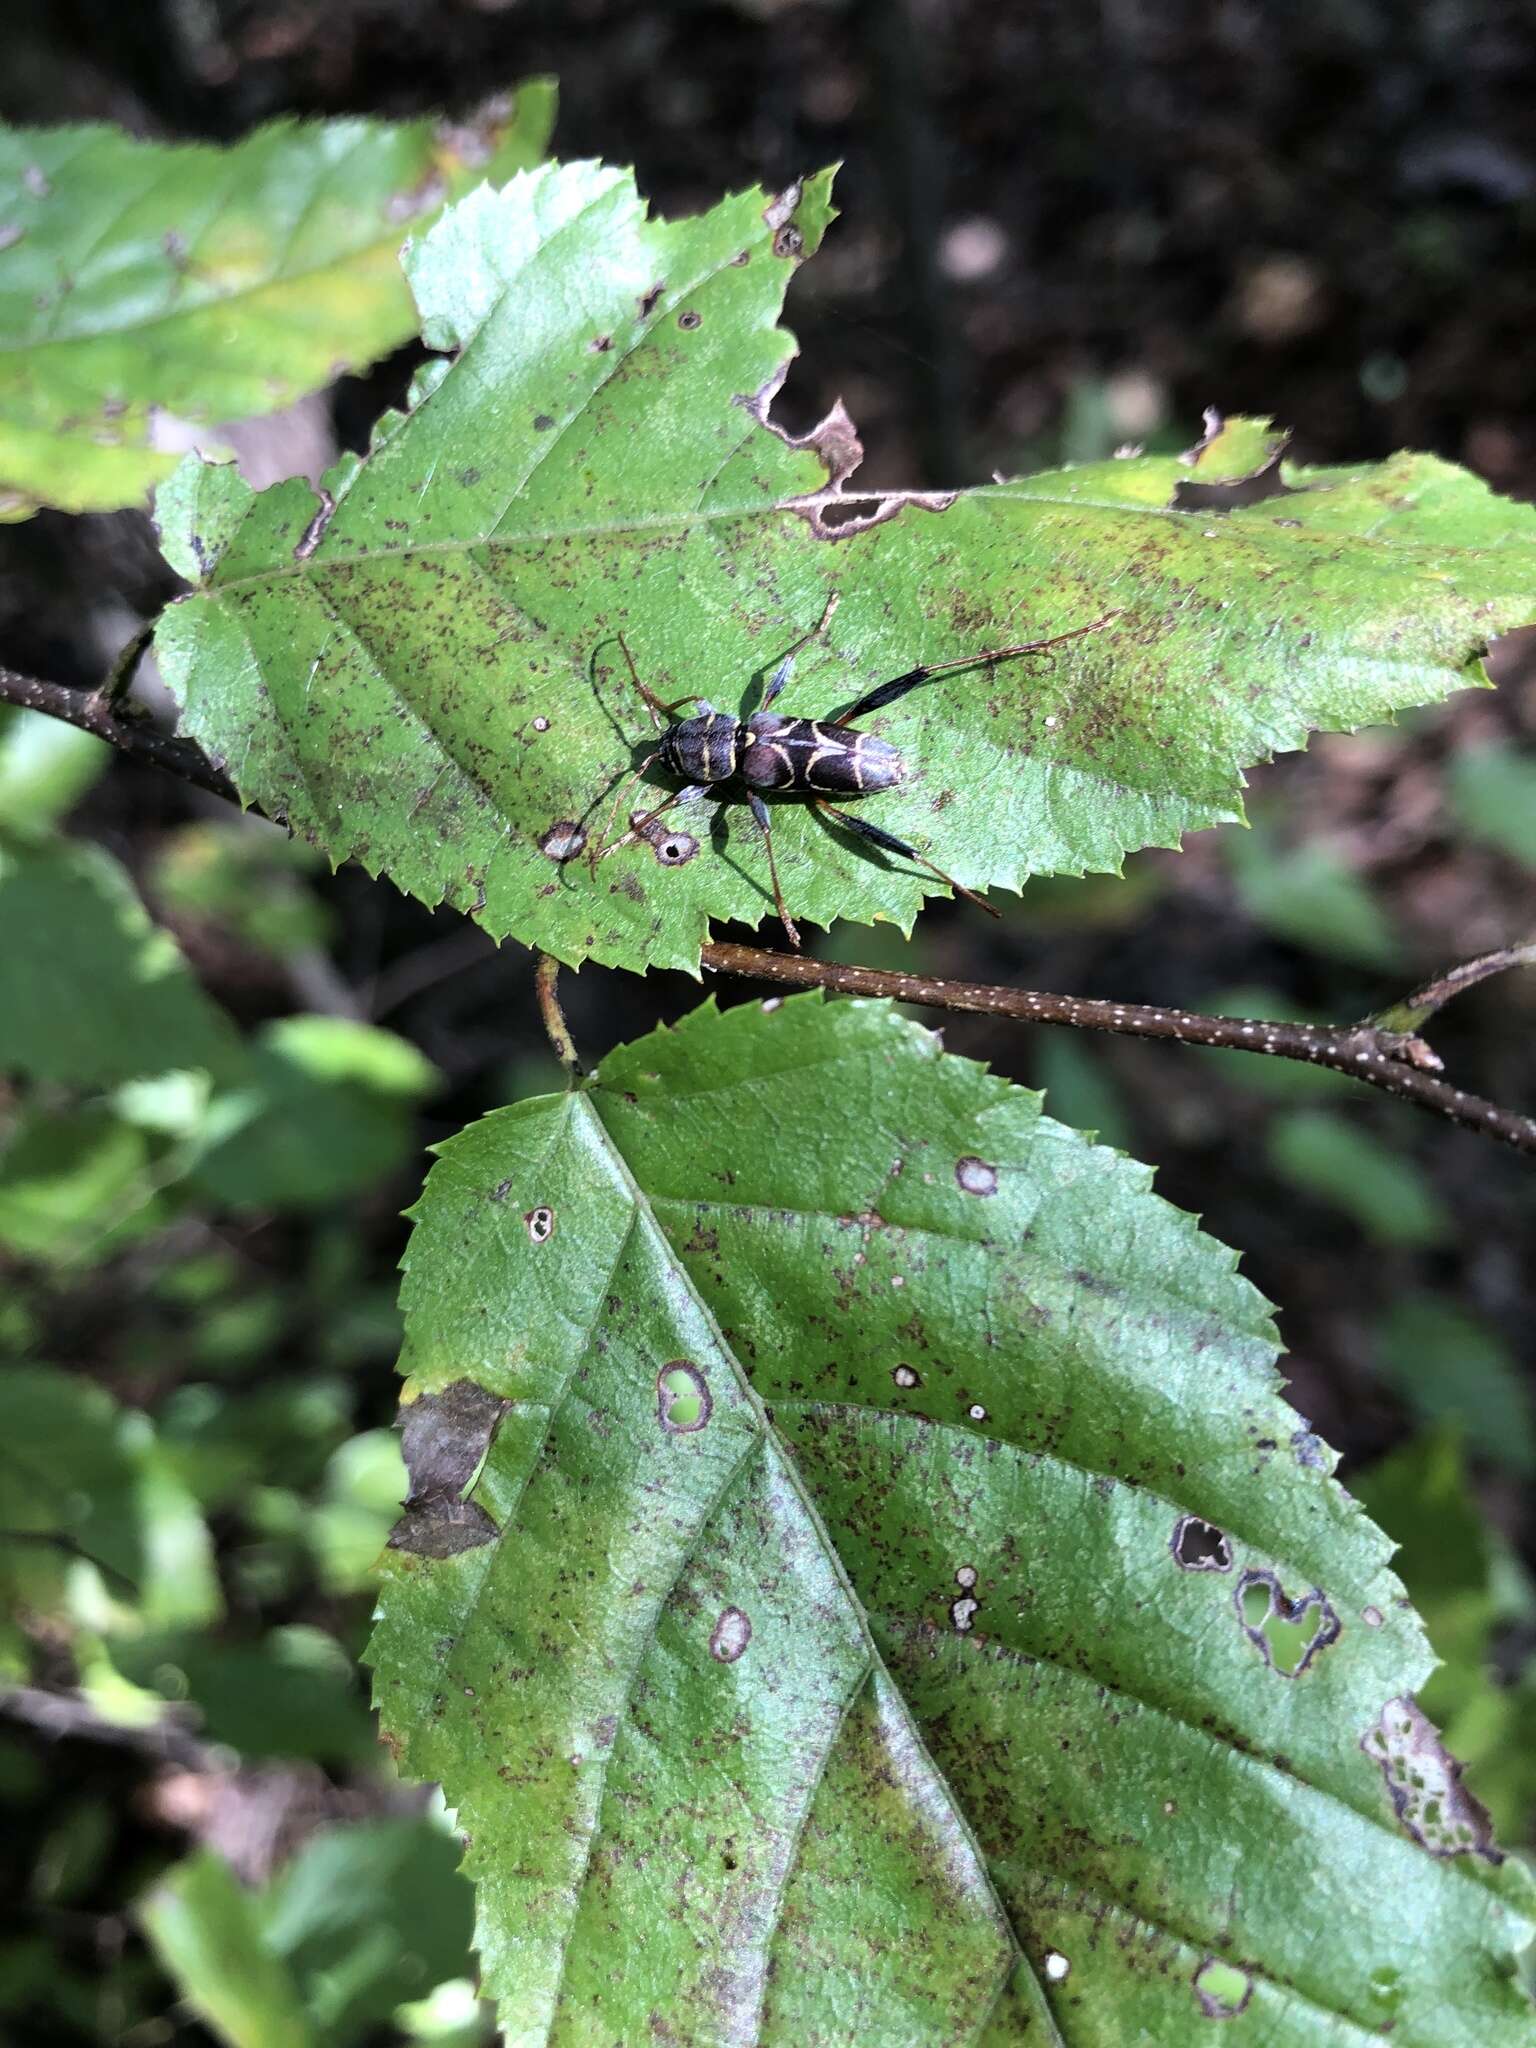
794,756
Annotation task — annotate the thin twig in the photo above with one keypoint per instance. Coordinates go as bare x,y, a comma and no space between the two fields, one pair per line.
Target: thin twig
94,713
1367,1052
1382,1051
558,1031
58,1715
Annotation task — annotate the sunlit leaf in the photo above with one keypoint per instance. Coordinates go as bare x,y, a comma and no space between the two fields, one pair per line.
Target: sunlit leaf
150,290
424,672
861,1583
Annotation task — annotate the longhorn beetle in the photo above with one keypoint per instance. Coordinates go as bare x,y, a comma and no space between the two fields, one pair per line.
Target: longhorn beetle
794,756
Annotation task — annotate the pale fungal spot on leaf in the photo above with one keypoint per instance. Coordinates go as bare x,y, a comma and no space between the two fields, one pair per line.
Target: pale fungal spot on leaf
683,1401
541,1224
962,1612
1287,1632
770,1004
976,1412
1057,1966
10,235
35,178
904,1376
541,724
976,1176
732,1633
1200,1546
1372,1617
965,1577
1222,1989
564,840
1423,1781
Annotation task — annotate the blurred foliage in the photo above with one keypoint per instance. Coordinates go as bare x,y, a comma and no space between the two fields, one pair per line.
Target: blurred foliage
1311,896
1449,1365
1492,792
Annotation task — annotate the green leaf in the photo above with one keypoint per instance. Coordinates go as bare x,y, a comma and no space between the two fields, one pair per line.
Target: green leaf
75,1185
1311,896
325,1112
1340,1163
206,1931
149,290
91,993
1493,795
245,876
908,1683
1450,1366
366,1916
424,673
81,1478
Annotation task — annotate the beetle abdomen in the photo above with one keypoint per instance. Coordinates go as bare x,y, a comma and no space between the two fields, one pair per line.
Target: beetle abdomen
799,753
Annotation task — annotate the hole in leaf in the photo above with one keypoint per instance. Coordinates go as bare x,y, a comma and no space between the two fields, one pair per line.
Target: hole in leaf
1222,1989
682,1398
1288,1633
1200,1546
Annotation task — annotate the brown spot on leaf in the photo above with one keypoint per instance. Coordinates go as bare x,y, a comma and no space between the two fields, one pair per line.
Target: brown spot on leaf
314,533
564,840
541,1224
648,301
445,1438
542,422
1424,1784
690,320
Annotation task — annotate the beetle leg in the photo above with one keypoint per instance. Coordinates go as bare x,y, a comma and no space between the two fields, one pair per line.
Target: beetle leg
889,843
760,812
689,794
898,686
600,846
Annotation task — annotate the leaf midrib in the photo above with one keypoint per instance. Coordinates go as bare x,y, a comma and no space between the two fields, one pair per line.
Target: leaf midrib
793,506
588,1099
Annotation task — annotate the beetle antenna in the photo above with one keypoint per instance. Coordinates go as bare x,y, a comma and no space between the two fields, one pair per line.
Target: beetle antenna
659,711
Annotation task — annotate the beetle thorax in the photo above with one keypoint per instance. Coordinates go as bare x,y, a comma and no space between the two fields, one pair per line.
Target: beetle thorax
704,749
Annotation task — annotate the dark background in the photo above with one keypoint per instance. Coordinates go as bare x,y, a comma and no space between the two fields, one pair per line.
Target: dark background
1065,227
